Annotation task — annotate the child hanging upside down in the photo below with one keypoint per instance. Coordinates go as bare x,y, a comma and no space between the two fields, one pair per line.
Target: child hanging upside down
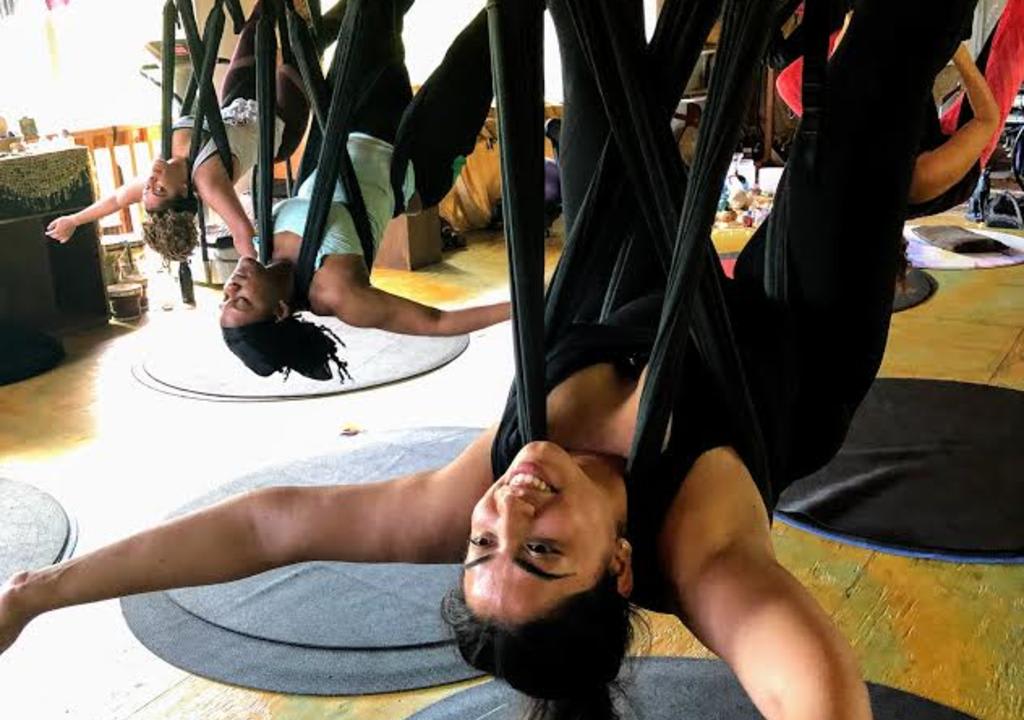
169,192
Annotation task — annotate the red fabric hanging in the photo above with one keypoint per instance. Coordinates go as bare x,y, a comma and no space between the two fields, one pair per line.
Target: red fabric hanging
790,81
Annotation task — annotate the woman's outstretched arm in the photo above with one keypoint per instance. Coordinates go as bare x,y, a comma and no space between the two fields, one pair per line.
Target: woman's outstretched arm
740,602
936,171
214,186
62,228
342,288
423,517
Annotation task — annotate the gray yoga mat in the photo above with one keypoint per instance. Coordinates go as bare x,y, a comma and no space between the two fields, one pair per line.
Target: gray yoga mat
675,689
34,529
203,368
918,287
318,628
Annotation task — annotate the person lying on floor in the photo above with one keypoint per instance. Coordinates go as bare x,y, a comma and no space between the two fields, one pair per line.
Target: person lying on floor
402,150
558,543
169,192
948,165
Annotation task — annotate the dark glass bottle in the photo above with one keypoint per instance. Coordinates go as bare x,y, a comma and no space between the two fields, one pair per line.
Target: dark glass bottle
188,291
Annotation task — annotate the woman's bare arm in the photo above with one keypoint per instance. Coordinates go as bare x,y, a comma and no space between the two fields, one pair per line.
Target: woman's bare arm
62,228
737,599
342,288
422,517
936,171
215,188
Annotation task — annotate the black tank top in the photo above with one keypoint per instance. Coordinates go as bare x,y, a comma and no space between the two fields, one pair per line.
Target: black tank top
698,424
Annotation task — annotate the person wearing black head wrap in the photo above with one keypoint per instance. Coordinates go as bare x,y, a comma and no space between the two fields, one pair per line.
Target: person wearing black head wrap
402,149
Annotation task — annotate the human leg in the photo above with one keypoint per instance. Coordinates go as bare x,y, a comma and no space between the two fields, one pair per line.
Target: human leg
584,124
240,78
833,236
444,118
292,109
382,89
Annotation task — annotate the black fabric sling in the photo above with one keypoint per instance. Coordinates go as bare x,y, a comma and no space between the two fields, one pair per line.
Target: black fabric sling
203,51
170,15
516,35
675,46
334,163
266,100
656,173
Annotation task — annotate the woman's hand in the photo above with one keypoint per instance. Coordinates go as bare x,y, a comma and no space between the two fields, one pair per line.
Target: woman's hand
62,228
13,615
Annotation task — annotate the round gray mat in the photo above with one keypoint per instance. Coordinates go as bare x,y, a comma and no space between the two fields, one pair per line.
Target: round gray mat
34,529
206,650
675,689
318,628
204,368
918,288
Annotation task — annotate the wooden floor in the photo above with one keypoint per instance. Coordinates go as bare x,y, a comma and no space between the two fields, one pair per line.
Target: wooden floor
120,457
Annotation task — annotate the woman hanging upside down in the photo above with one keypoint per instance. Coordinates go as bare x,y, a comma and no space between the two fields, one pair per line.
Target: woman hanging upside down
553,572
402,149
951,154
169,192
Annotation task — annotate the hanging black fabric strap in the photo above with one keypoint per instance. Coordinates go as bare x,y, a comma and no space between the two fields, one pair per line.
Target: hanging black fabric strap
817,29
591,245
517,49
316,21
167,65
308,59
746,25
648,161
234,8
335,163
266,102
820,18
204,56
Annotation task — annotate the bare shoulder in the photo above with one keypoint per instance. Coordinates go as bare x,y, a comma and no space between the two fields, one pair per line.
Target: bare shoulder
717,509
336,281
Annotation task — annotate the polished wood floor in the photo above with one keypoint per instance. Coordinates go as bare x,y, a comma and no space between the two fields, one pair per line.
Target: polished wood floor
121,456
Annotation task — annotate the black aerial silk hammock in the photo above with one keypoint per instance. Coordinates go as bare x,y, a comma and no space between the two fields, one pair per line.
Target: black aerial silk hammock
200,100
328,138
333,111
675,212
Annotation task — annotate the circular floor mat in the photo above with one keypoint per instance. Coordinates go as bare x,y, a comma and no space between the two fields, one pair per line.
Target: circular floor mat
204,368
675,689
918,287
923,254
34,529
929,469
26,352
318,628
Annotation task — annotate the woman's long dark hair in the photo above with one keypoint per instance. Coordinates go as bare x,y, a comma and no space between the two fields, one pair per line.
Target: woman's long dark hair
567,661
271,346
